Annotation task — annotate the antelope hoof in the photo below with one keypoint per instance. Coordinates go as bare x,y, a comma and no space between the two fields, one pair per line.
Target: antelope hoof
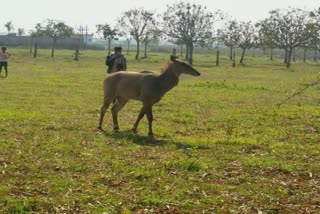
116,129
100,128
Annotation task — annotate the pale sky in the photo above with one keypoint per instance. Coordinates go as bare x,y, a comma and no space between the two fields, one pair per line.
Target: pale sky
27,13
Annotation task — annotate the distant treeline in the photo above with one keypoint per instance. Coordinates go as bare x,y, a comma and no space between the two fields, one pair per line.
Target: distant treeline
13,40
162,47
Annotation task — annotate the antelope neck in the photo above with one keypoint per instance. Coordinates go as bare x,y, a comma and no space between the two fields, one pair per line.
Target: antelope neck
168,79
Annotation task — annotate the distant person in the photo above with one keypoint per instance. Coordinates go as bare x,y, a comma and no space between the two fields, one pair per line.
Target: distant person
4,55
116,61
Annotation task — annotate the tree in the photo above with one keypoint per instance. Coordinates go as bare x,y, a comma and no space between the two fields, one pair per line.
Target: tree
266,34
20,31
129,38
230,36
312,35
313,31
56,30
153,34
247,37
289,30
190,24
108,34
137,22
179,43
38,32
9,26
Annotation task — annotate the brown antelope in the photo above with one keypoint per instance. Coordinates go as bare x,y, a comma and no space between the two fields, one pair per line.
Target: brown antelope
148,87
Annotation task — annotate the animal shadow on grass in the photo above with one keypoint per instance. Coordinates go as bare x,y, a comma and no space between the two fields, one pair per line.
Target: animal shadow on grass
129,136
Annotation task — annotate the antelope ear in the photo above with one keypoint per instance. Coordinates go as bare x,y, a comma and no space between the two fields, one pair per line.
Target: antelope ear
173,58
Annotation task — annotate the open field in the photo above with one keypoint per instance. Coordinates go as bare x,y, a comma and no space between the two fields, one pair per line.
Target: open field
221,143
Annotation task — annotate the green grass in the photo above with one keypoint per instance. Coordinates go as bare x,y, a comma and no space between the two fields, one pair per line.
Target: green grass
221,143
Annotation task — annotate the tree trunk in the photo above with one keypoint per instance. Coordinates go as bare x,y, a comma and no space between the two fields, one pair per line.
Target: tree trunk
294,55
145,50
187,52
289,55
181,50
31,44
138,49
271,54
315,55
76,54
231,53
286,56
128,46
234,59
218,58
242,55
53,46
304,55
35,50
191,54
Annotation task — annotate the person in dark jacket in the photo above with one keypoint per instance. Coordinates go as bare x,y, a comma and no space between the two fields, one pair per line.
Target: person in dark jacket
116,61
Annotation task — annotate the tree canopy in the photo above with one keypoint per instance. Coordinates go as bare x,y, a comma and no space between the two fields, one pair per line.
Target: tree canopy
54,29
137,23
9,27
108,34
286,29
189,24
230,36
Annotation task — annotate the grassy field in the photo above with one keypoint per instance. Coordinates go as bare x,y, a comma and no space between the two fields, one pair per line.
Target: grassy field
222,145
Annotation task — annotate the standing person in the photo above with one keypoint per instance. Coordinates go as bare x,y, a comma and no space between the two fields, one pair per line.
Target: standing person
4,55
109,63
116,61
